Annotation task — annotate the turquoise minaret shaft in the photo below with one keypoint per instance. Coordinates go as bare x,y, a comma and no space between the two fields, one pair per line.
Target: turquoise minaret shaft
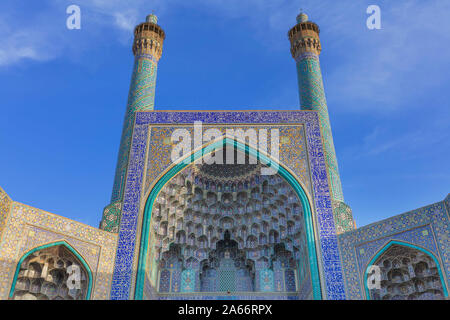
305,49
147,49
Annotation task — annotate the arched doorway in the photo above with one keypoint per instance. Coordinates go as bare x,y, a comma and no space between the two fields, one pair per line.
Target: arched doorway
231,229
407,272
44,273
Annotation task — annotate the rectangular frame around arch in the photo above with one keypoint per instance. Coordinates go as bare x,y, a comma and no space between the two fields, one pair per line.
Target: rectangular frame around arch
328,251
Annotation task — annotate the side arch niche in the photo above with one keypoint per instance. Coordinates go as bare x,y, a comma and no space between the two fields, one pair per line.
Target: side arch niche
48,273
226,229
407,273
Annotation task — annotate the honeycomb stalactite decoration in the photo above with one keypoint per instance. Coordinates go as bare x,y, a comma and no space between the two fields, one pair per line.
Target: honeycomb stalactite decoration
407,274
228,225
44,275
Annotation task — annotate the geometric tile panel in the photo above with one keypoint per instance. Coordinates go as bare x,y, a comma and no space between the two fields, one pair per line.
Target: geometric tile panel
278,280
164,281
176,280
289,278
266,280
188,278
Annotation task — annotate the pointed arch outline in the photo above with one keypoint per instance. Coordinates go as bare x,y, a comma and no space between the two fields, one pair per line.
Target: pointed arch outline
49,245
404,244
199,153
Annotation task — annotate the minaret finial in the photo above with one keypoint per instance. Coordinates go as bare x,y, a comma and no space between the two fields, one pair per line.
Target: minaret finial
302,17
152,18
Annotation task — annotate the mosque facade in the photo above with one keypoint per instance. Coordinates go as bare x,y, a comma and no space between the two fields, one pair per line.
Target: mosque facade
185,222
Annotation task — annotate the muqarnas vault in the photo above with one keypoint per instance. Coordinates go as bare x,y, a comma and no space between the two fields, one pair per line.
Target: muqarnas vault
193,230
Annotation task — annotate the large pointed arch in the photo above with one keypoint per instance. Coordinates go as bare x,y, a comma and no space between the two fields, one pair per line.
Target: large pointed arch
45,246
197,154
386,247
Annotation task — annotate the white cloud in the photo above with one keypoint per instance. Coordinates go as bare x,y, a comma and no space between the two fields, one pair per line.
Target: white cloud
23,42
126,21
12,52
40,35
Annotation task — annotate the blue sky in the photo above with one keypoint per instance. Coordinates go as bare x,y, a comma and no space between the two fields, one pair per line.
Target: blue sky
63,92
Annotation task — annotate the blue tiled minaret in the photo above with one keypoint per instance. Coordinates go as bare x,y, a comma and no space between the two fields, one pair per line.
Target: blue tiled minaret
305,49
147,49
